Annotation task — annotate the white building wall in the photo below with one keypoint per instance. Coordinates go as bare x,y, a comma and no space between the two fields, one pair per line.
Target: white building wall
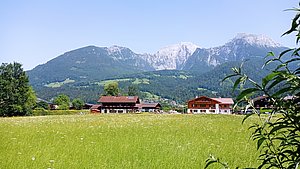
217,111
209,111
116,110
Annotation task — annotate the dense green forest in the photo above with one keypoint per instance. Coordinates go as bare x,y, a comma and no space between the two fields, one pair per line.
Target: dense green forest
174,85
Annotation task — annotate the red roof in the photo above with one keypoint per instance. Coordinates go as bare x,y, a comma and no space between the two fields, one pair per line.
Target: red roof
148,105
95,106
119,99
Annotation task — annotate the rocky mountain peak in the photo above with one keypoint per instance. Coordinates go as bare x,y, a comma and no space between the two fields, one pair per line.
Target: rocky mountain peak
175,49
115,49
172,56
257,40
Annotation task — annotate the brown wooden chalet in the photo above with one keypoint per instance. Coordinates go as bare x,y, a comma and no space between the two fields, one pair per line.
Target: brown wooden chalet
265,101
123,104
149,107
262,102
118,104
205,104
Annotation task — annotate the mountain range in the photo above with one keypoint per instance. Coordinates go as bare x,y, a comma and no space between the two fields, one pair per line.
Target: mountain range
88,65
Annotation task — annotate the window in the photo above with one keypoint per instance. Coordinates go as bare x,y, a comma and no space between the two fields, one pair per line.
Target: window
202,105
202,111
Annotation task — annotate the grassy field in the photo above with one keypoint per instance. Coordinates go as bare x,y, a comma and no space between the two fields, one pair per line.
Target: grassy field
124,141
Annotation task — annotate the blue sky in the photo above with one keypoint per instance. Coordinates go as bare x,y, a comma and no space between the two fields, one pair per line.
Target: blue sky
33,32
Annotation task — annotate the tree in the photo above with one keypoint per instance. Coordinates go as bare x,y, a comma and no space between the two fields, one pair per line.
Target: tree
78,104
277,134
133,90
30,104
17,98
111,89
63,101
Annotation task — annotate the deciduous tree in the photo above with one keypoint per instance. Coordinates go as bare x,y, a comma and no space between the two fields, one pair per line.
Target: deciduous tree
17,98
133,90
63,101
78,104
111,89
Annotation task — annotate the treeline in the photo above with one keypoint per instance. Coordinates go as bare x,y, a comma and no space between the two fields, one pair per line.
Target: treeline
18,98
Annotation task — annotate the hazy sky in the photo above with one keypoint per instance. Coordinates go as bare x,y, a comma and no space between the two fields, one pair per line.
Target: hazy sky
33,32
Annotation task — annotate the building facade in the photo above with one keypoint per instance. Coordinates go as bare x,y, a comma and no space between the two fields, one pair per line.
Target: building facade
206,105
118,104
149,107
123,104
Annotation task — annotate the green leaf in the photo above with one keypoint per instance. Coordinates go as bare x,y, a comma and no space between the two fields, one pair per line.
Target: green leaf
280,66
274,83
294,25
236,70
260,142
229,76
270,54
284,52
292,60
268,62
297,71
238,81
268,78
276,128
281,91
247,116
296,52
210,162
246,92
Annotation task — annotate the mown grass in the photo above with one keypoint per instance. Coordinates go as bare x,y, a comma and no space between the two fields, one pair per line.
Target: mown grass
124,141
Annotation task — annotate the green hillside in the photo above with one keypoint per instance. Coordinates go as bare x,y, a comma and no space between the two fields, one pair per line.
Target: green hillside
176,85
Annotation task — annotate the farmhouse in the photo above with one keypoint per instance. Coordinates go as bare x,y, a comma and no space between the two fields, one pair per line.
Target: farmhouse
123,104
118,104
149,107
205,104
262,102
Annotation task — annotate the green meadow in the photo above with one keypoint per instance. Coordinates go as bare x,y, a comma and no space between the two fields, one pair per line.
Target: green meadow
125,141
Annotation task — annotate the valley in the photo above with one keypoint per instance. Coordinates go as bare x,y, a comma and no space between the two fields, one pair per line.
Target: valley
175,73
